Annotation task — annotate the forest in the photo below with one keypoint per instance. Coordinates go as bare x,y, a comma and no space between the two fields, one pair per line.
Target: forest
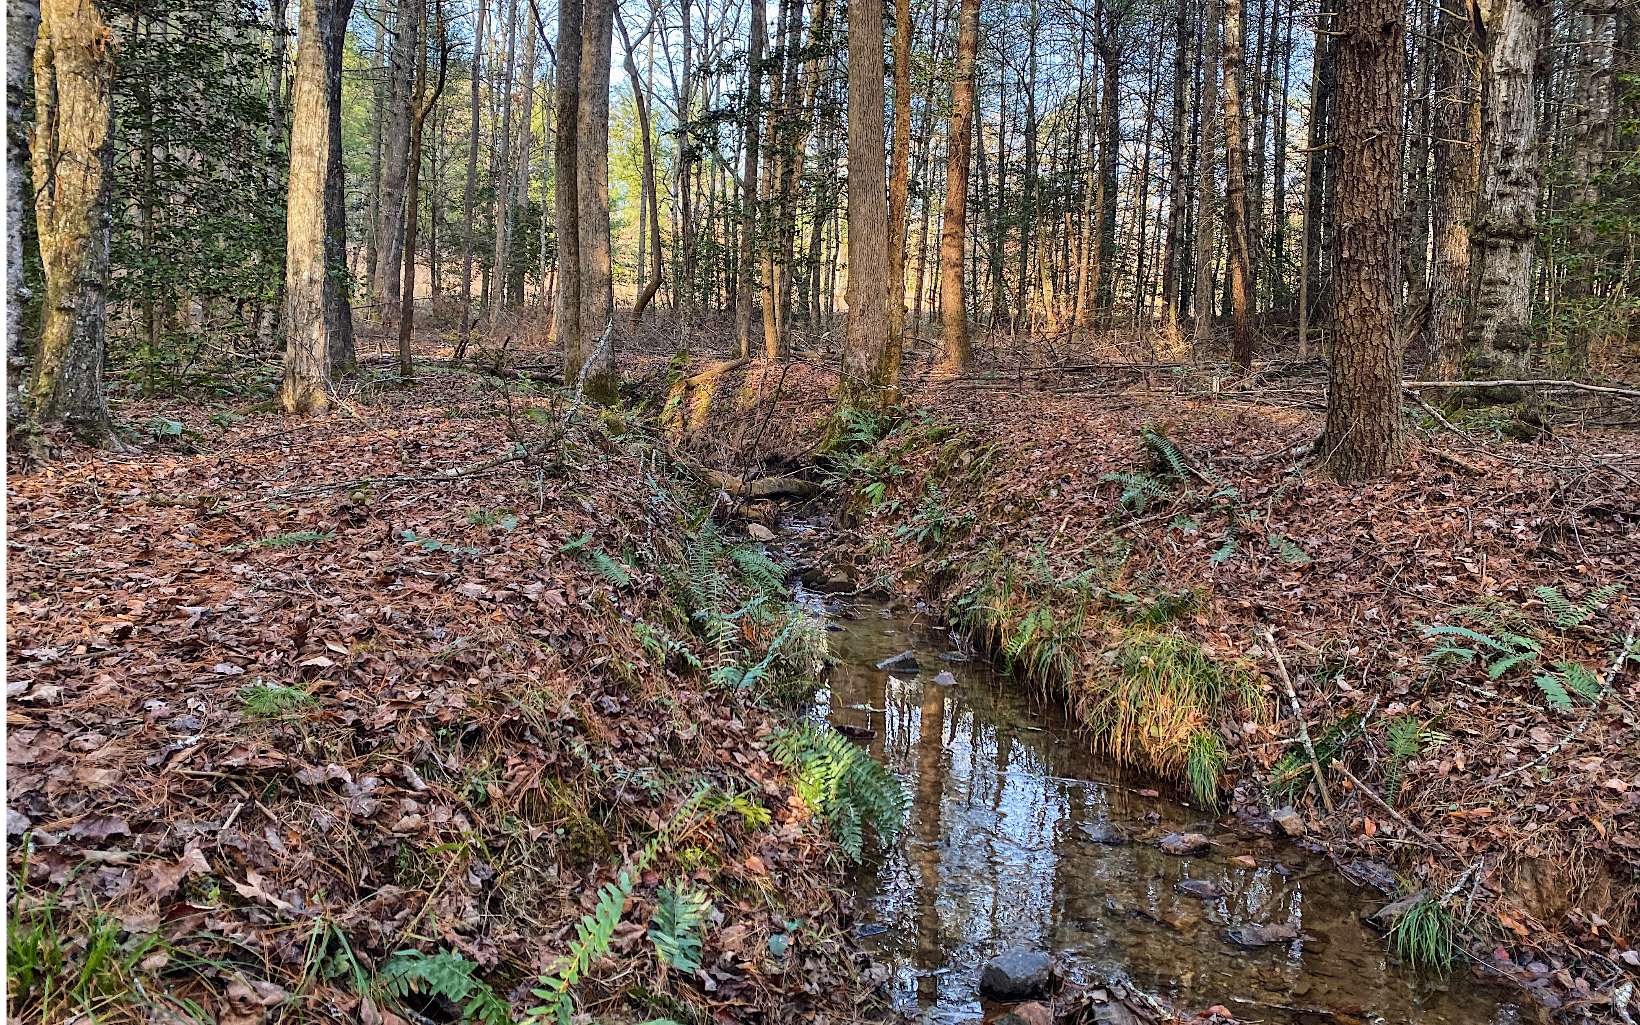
707,511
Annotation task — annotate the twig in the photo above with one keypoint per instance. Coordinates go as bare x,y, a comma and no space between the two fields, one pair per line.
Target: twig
1372,795
1547,382
1303,728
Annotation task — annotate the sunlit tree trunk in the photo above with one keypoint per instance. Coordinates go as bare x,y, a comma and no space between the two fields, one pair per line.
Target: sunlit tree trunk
897,191
1363,437
870,361
1455,117
73,156
472,184
422,105
1178,188
1207,193
307,321
746,266
1236,217
395,146
958,356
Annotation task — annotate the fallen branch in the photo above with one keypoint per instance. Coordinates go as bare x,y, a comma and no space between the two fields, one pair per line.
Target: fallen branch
1531,383
1624,650
1303,727
761,487
1372,795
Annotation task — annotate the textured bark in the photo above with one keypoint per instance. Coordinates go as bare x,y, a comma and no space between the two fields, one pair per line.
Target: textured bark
1207,186
958,355
22,22
870,362
1236,217
566,179
899,180
745,272
592,196
306,384
1456,129
1363,437
72,163
395,146
1591,137
1498,341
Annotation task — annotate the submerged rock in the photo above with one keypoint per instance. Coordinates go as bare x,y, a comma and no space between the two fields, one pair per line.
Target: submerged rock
1251,936
904,662
1031,1013
945,678
1016,974
1289,820
1101,831
1385,917
1206,889
1184,843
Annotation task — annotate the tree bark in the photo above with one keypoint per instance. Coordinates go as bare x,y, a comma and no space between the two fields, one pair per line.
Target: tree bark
566,180
1178,185
471,186
1499,337
898,182
958,355
870,362
423,105
1456,130
307,319
338,307
395,144
22,23
72,157
592,197
1363,437
651,211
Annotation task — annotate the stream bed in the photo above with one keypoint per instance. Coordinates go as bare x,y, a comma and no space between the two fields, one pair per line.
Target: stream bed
1011,842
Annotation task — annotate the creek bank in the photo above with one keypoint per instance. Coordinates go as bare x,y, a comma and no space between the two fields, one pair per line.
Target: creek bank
1082,550
340,705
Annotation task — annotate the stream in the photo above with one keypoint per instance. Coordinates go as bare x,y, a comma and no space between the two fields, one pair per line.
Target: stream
1008,844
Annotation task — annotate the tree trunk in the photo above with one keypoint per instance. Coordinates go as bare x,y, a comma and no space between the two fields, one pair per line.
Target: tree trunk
898,182
1456,130
1236,218
651,212
746,266
307,318
870,362
22,22
1178,185
472,186
953,310
338,307
1363,438
73,156
566,178
592,196
1110,142
1207,186
423,105
395,145
1499,336
1591,137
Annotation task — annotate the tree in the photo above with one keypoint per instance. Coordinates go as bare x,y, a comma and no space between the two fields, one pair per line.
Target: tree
1363,437
1504,236
1178,187
72,157
871,360
953,306
472,184
592,196
423,101
1207,181
566,320
898,180
395,166
746,272
1455,120
1235,205
308,317
22,22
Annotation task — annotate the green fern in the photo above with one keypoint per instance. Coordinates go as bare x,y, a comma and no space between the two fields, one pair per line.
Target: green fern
1164,453
1570,613
1406,736
659,642
844,787
596,930
1565,679
1139,489
598,560
680,911
448,975
758,569
1288,549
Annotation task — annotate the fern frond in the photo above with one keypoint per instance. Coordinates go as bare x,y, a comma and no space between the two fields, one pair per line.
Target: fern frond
680,912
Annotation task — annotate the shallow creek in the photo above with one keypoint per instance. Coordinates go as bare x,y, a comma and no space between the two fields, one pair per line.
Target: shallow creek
1003,848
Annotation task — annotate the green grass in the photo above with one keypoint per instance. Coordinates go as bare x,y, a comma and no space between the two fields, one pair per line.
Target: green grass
272,701
1204,768
61,966
1425,936
294,539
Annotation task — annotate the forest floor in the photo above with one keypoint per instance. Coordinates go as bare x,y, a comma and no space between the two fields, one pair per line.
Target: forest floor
288,698
1152,546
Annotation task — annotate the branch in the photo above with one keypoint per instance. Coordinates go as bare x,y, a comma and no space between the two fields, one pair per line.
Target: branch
1530,383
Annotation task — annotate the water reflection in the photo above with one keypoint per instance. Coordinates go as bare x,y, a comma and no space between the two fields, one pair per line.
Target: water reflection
1010,842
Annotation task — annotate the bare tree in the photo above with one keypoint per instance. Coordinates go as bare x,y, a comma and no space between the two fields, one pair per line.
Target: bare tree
592,196
871,360
424,99
953,307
